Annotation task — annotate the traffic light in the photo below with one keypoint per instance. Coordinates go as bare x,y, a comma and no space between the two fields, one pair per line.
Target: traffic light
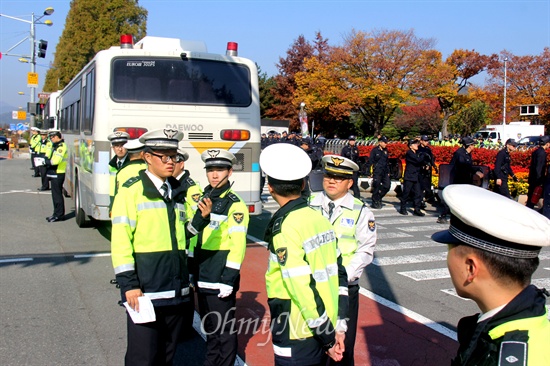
42,47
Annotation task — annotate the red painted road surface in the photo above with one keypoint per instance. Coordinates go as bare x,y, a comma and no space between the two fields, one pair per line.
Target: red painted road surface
384,336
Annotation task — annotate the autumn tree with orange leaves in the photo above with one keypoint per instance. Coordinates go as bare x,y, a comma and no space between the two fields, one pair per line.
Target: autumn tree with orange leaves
453,78
528,82
285,105
371,75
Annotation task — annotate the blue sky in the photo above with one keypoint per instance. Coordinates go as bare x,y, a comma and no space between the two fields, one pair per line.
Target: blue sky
265,30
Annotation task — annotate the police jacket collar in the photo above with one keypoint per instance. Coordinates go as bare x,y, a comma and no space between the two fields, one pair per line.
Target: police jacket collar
214,193
150,190
276,221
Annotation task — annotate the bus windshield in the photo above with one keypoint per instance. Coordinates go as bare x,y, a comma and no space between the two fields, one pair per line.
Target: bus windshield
177,81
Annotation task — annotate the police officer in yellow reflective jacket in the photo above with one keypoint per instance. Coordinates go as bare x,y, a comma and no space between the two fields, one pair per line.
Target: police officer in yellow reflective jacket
493,251
355,228
44,151
134,165
148,250
219,255
56,164
34,143
118,139
306,281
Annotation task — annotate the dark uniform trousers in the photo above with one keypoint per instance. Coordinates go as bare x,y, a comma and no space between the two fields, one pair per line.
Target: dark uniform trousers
153,344
57,195
503,188
355,186
380,185
411,187
349,341
43,170
426,184
218,321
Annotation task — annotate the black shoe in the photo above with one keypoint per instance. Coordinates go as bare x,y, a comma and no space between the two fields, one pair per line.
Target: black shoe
55,219
35,175
50,217
418,213
441,220
43,189
403,211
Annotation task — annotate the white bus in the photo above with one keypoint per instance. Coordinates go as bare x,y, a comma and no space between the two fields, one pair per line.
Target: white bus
160,83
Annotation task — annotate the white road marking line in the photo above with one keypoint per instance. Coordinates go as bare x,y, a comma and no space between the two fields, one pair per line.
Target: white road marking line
416,228
414,220
257,241
92,255
427,274
406,245
408,259
393,235
452,292
16,260
411,314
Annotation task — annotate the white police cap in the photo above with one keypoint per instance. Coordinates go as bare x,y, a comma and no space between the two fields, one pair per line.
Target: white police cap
35,129
184,154
492,222
118,137
164,139
134,146
339,165
218,157
286,162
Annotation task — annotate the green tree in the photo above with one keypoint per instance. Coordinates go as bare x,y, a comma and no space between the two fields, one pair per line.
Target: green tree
92,26
265,84
470,118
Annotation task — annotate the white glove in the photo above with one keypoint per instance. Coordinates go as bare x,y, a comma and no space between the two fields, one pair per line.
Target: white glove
225,290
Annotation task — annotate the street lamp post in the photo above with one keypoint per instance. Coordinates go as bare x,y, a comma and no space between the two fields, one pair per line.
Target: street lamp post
32,36
504,109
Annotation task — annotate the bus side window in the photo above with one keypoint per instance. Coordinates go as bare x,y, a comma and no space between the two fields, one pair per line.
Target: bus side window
148,89
180,91
124,88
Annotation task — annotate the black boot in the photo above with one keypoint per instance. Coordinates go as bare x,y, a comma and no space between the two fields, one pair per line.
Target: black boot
418,213
403,210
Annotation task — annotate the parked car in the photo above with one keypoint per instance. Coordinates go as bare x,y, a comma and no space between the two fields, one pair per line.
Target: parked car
529,141
4,143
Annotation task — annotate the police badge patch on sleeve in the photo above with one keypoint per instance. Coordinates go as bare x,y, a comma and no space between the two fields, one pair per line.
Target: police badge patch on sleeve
238,217
196,197
372,225
281,256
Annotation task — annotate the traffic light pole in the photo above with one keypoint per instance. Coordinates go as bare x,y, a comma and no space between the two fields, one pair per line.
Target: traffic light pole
32,37
33,68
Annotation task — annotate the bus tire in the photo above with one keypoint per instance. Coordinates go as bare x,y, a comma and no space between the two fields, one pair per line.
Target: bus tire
82,220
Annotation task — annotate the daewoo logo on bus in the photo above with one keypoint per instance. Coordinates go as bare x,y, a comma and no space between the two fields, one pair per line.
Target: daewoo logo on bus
183,127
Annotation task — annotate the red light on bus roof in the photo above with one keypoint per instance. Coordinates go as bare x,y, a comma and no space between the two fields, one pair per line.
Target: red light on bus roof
251,209
235,135
126,41
134,132
232,49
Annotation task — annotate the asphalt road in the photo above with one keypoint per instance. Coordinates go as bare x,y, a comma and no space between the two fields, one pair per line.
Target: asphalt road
58,307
